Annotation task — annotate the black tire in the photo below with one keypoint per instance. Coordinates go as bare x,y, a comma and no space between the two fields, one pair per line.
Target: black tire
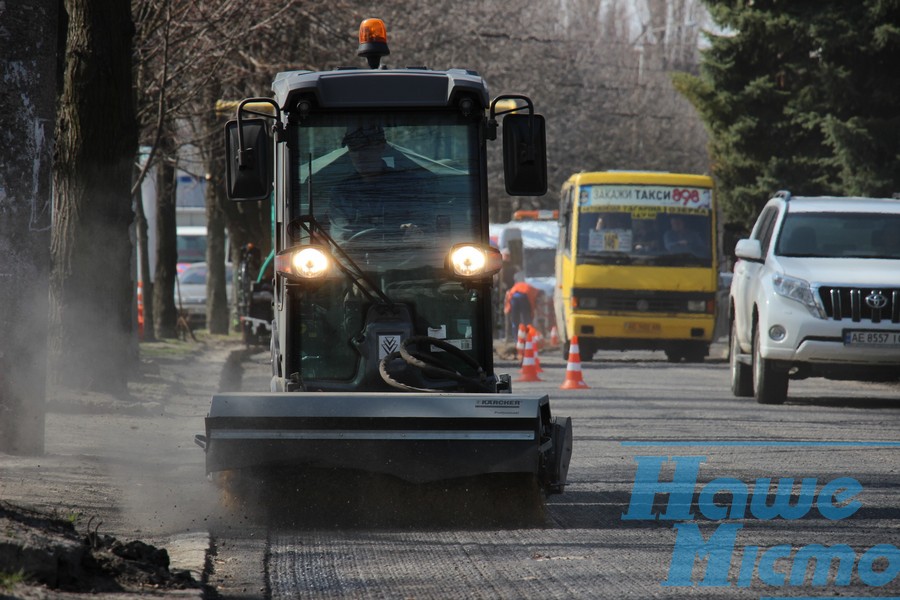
696,352
557,467
585,353
741,374
674,355
770,385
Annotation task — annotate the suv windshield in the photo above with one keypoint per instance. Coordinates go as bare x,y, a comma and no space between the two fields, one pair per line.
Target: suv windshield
395,191
840,235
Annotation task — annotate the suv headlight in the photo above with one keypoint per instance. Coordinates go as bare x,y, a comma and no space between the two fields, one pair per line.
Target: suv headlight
797,290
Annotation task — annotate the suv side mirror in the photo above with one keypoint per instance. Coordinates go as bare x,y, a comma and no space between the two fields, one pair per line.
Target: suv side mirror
748,250
248,161
525,155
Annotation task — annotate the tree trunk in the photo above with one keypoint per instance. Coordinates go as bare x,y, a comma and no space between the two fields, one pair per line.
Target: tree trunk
165,311
218,310
27,101
91,289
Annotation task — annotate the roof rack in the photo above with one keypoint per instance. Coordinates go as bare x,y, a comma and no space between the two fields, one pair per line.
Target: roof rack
783,194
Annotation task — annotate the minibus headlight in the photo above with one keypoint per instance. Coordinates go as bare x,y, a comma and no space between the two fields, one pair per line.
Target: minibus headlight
586,303
696,305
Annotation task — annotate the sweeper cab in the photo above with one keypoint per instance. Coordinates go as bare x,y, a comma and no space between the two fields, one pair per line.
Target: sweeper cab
382,357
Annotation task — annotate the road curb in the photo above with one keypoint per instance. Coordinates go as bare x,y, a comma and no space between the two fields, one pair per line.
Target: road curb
191,552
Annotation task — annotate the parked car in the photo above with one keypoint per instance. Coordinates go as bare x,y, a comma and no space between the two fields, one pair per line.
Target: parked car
190,292
816,293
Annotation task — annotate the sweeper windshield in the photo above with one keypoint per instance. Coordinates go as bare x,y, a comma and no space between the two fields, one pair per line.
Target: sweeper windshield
395,192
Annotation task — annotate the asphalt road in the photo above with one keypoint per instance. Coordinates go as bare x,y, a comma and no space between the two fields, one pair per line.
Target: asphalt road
646,513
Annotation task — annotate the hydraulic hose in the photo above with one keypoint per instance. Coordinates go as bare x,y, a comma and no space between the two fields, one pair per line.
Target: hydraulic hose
434,368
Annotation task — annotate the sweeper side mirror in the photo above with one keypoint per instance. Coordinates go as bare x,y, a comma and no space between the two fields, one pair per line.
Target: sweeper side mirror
248,161
525,155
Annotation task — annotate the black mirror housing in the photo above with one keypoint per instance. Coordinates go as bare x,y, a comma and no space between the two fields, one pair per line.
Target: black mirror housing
525,155
248,169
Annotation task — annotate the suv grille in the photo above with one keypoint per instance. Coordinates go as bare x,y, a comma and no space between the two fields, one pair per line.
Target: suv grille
861,304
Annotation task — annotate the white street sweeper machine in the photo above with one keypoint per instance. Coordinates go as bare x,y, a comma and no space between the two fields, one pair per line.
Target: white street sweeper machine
382,357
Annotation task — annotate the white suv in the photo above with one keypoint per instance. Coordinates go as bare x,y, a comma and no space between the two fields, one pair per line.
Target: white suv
816,293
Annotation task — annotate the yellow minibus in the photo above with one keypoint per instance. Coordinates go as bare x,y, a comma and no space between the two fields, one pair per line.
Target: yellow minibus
636,266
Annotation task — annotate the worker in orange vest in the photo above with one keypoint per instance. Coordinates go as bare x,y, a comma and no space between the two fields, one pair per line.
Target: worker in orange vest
521,302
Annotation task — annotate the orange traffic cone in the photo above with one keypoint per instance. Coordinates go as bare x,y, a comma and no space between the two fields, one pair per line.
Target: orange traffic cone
520,342
538,338
573,380
529,367
554,336
537,361
529,351
534,337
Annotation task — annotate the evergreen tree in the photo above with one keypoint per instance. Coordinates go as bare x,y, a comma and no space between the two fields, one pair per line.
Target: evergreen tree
859,47
773,93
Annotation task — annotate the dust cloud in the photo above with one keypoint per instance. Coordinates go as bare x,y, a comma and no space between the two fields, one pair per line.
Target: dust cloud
23,326
128,460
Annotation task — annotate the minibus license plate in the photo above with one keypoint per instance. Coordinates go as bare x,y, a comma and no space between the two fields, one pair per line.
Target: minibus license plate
857,337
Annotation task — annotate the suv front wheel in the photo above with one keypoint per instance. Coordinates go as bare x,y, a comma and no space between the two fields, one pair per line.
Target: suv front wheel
770,384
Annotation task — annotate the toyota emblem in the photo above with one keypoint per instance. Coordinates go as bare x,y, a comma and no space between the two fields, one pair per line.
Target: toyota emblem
876,300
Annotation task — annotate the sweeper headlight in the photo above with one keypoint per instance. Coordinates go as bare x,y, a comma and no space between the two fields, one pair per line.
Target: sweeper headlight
304,262
472,261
